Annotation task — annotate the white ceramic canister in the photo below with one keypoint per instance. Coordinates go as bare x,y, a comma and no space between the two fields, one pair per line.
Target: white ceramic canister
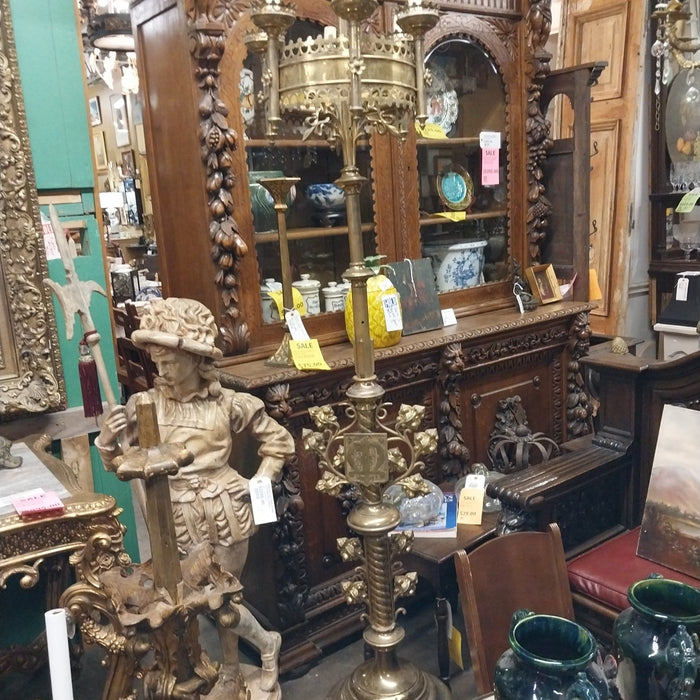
269,308
334,297
310,293
462,267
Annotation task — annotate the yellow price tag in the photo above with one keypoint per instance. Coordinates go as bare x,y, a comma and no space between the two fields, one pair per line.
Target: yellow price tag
297,300
306,354
430,131
471,501
454,645
451,215
688,201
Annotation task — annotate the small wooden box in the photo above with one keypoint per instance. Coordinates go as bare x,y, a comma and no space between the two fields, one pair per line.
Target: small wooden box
543,283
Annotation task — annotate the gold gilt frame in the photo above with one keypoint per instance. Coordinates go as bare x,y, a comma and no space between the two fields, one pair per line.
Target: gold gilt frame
31,374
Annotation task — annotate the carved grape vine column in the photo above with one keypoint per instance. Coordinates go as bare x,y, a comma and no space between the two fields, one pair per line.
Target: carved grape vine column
209,21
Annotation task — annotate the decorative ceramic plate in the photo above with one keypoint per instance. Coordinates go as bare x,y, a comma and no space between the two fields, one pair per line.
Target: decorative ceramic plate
455,187
247,92
443,109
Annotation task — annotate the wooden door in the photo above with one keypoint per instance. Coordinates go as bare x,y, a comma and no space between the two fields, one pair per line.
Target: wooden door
611,31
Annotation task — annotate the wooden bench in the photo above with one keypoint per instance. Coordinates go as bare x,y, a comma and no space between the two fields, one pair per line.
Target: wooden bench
596,490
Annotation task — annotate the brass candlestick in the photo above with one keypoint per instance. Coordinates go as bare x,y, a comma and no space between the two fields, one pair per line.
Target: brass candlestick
279,188
340,88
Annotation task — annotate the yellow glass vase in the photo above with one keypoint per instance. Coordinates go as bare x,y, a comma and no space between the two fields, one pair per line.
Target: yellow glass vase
378,287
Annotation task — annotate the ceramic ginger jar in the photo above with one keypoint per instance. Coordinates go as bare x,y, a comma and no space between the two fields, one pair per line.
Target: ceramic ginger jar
550,658
656,639
379,287
462,267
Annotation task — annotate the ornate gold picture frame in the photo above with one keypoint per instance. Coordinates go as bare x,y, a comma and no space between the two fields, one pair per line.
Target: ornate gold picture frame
31,374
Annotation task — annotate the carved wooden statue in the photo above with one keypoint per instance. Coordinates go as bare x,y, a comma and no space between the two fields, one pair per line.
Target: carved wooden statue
210,498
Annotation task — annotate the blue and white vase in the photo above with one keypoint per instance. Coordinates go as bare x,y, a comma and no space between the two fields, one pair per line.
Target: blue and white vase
462,267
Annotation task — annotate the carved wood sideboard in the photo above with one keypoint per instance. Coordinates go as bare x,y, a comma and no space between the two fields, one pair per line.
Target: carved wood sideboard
460,373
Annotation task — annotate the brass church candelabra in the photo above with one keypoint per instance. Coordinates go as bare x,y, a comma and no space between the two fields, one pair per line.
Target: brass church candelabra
340,86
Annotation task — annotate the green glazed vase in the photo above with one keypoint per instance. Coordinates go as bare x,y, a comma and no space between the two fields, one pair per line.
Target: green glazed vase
657,656
549,658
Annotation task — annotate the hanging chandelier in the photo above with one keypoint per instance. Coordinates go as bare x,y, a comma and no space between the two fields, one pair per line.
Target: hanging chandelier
107,24
671,45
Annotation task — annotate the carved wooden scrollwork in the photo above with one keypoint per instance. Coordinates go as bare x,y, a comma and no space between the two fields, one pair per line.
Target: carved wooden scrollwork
288,532
209,20
31,375
537,128
454,454
578,406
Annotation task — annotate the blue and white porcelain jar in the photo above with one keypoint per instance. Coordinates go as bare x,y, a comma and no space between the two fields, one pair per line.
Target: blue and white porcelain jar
462,267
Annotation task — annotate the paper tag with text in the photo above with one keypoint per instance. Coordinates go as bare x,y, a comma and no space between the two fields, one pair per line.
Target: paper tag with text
297,301
307,354
295,325
430,131
471,500
682,289
454,644
261,500
448,317
688,201
392,312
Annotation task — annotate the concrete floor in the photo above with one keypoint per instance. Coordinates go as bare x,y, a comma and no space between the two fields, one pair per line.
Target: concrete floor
419,647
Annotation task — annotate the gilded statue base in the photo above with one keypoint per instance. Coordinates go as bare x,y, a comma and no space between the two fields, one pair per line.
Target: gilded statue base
149,635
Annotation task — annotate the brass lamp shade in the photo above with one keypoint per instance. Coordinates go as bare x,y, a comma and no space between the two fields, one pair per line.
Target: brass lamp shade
314,75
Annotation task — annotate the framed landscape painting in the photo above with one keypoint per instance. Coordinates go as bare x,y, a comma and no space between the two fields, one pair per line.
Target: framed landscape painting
670,533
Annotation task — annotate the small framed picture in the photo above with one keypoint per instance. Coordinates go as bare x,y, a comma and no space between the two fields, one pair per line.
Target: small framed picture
543,283
95,112
128,163
98,143
120,120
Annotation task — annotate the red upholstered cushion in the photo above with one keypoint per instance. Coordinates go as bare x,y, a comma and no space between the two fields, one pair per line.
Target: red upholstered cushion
608,570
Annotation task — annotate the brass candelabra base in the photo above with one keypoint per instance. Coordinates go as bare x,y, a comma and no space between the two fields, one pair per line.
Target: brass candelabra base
387,676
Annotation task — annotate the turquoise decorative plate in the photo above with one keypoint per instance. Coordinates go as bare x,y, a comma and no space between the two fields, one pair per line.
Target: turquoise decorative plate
455,187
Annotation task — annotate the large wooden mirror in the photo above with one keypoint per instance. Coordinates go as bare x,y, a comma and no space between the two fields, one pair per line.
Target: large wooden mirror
31,377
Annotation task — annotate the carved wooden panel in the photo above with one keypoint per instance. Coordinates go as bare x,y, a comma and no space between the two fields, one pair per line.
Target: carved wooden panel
601,30
605,142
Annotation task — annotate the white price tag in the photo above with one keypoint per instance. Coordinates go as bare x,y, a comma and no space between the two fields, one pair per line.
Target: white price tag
490,139
295,325
475,481
392,313
682,289
448,317
261,500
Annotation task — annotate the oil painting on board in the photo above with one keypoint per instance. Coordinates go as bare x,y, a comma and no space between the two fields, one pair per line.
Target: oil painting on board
670,533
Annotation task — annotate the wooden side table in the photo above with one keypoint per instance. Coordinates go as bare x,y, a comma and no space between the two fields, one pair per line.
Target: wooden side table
88,534
433,560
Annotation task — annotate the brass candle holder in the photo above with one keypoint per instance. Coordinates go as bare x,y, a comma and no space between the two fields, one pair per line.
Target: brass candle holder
279,188
339,88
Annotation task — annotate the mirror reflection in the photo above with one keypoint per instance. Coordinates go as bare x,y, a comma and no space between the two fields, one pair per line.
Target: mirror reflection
462,157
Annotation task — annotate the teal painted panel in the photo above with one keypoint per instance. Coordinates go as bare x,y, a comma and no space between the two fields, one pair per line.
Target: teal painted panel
107,482
50,65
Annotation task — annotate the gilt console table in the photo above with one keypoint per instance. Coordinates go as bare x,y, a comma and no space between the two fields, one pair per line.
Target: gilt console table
87,535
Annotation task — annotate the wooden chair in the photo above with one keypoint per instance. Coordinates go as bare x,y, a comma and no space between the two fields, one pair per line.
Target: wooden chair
514,571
